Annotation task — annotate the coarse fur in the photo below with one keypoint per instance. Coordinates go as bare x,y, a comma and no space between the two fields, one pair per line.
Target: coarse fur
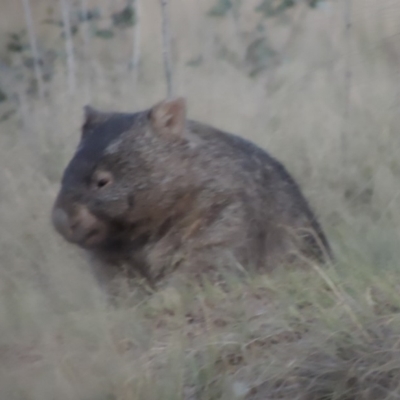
153,191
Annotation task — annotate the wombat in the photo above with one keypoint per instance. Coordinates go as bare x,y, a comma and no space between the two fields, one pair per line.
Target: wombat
153,191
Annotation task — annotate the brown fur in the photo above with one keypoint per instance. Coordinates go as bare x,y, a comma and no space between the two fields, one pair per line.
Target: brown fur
153,191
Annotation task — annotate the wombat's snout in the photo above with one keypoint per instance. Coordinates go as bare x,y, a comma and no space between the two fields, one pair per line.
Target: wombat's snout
80,226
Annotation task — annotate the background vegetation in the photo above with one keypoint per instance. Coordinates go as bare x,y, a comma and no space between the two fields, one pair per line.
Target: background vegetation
314,82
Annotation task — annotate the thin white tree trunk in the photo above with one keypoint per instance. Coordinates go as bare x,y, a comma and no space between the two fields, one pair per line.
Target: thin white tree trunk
238,32
166,34
347,76
136,39
87,49
34,47
71,67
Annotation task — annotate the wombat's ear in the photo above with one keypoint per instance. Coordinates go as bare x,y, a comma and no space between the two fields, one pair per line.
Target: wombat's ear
91,118
168,117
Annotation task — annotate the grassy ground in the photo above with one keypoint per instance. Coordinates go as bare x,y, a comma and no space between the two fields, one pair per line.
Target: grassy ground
325,334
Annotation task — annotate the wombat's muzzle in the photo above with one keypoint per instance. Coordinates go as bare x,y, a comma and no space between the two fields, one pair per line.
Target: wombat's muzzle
80,226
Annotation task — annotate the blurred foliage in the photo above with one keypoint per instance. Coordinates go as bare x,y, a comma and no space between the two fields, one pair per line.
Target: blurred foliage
5,116
3,96
221,8
89,15
125,18
271,8
16,55
315,3
104,33
259,55
258,52
255,56
17,42
195,62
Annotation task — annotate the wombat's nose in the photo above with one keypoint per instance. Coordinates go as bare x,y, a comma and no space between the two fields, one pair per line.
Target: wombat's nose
78,226
61,222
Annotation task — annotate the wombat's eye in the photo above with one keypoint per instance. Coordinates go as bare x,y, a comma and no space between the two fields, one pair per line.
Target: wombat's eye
102,182
102,179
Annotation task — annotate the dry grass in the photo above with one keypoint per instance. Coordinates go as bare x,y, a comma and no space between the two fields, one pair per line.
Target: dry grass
328,334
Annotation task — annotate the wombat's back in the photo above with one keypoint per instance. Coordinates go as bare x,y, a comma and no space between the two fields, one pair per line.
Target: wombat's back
271,192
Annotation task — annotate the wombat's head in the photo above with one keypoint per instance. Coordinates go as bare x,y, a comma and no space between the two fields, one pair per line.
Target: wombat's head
120,161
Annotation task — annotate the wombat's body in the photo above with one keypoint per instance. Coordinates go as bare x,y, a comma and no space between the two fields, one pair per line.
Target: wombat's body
152,192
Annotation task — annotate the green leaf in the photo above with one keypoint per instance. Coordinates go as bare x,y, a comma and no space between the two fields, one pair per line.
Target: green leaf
221,8
7,115
195,62
15,47
50,21
16,42
89,15
271,8
3,96
259,55
125,18
104,33
315,3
